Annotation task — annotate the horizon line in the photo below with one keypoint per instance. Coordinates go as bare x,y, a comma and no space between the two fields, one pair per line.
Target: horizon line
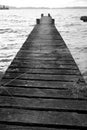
44,6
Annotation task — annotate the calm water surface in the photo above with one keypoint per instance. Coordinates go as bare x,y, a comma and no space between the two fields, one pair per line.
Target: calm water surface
15,25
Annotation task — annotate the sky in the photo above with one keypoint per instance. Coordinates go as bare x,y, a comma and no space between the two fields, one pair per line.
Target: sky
44,3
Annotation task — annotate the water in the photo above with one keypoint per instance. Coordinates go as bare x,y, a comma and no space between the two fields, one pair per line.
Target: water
15,25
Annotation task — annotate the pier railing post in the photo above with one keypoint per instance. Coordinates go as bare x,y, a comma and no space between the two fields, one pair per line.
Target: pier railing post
53,21
37,21
42,15
49,15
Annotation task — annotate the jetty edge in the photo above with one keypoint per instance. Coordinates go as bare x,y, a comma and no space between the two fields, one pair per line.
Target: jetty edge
43,88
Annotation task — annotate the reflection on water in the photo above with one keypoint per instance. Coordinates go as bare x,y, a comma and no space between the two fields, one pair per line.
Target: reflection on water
15,25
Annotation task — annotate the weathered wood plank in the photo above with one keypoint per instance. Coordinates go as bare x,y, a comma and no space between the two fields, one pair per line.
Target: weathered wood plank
43,117
58,49
59,62
49,57
43,65
45,77
42,84
37,92
48,61
19,71
44,104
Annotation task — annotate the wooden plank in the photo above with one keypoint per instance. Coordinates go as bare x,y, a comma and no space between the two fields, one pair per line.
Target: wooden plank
35,45
56,47
44,104
40,36
46,77
45,58
43,65
38,54
37,92
71,92
46,49
42,43
48,56
52,49
54,61
43,117
70,62
59,62
27,83
43,71
41,84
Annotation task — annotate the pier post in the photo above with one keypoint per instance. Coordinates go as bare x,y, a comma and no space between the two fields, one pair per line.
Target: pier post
49,15
42,15
53,21
37,21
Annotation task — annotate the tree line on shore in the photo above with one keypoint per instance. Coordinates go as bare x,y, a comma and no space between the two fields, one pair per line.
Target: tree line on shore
4,7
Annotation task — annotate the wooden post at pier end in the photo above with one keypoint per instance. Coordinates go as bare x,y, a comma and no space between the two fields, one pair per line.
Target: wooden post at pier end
42,15
49,15
43,88
37,21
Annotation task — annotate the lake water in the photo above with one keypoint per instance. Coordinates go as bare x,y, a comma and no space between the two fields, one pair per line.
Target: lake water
15,25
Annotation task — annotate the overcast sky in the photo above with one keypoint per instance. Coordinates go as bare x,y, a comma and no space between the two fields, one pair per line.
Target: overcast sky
44,3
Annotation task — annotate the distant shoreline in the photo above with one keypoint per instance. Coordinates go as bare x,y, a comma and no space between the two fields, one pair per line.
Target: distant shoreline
7,7
50,8
40,8
3,7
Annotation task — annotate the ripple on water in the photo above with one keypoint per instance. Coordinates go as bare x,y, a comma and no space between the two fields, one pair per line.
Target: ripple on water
84,49
9,30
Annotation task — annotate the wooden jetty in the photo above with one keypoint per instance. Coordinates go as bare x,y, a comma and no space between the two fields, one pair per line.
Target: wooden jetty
43,88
